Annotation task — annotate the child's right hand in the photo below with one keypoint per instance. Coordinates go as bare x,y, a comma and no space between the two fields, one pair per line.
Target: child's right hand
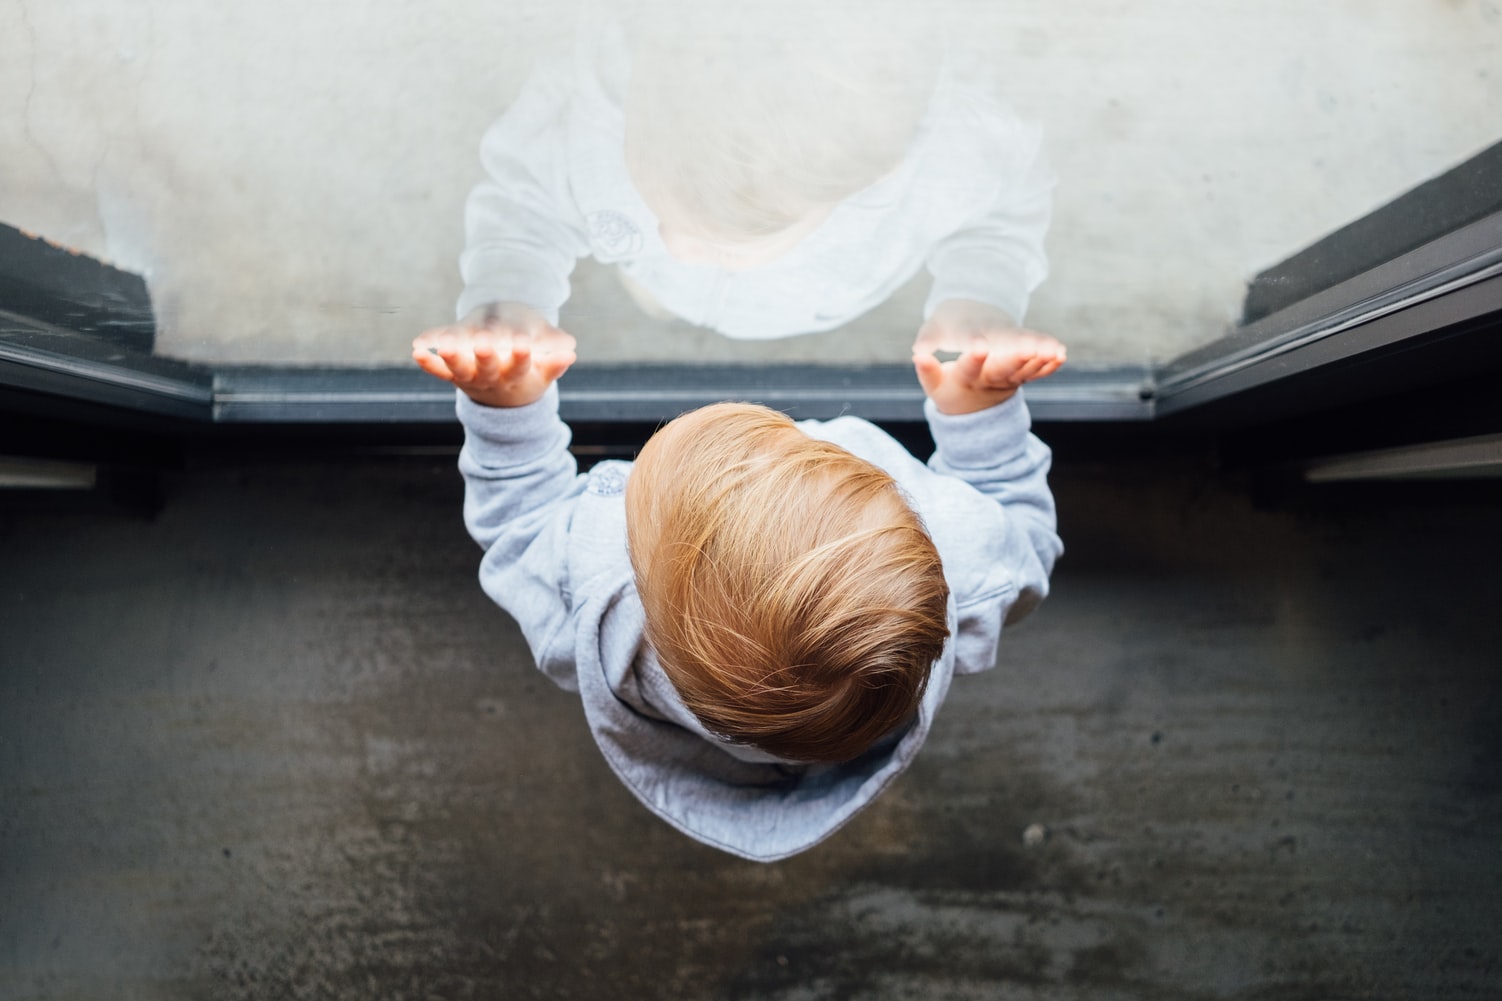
502,355
989,370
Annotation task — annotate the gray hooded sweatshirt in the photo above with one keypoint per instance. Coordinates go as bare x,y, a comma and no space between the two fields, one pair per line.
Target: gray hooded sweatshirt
556,560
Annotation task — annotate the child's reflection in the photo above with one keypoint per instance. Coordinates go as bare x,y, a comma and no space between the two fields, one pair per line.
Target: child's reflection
759,180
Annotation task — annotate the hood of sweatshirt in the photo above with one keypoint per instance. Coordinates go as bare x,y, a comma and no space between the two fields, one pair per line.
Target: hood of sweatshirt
731,796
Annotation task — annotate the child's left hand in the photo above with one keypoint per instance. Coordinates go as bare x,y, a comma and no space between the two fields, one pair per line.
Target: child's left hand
995,356
505,369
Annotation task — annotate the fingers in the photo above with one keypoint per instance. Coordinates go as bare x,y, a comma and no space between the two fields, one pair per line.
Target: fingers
989,370
516,367
478,359
1010,372
553,365
1045,361
553,352
426,352
498,363
980,369
1048,350
430,363
1027,368
993,371
487,361
970,367
930,372
1032,370
458,355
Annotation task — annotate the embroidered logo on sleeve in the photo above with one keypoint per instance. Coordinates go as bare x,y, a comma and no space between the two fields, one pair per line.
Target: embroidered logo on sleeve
613,234
607,481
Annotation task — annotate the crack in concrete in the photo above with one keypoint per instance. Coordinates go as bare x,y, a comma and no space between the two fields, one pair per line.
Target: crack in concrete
31,87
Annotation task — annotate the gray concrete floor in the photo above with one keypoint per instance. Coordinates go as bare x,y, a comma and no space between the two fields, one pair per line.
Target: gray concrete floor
276,744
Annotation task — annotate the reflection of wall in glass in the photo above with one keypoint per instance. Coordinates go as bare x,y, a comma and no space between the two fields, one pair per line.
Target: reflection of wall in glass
291,178
1198,143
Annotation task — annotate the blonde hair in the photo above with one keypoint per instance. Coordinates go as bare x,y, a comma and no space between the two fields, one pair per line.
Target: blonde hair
750,118
792,596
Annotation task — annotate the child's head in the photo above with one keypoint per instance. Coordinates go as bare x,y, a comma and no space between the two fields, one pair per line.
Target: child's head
746,125
792,596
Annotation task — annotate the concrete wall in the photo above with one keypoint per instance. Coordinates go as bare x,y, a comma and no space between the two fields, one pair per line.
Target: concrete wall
290,175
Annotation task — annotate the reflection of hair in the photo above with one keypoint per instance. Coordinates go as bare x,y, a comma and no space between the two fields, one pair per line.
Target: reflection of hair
791,594
749,118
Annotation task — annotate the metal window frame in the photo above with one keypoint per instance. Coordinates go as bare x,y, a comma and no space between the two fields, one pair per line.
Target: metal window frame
68,365
38,357
624,393
1444,283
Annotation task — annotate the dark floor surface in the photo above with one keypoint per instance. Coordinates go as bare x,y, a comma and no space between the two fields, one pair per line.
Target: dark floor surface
277,744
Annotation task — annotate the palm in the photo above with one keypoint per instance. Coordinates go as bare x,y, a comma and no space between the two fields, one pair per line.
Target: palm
994,362
497,367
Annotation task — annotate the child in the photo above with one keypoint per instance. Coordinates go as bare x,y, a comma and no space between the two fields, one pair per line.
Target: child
760,617
760,178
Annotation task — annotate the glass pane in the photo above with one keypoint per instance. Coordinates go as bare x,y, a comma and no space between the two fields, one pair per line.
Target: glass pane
291,179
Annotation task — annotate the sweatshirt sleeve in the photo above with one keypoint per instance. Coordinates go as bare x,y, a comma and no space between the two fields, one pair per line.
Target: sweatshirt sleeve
520,488
997,256
523,232
995,453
